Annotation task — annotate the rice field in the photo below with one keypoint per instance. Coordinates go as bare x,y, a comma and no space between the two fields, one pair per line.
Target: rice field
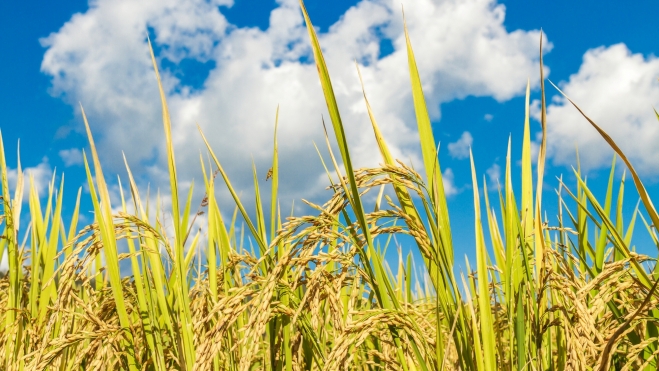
316,292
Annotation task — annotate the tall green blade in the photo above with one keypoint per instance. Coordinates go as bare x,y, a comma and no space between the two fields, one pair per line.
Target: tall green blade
600,245
484,303
273,175
181,287
428,150
104,218
11,238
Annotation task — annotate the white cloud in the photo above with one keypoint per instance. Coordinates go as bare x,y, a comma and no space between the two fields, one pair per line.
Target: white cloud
488,117
448,179
100,58
460,148
493,175
71,157
616,89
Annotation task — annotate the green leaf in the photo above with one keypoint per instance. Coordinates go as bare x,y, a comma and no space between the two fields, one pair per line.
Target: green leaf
484,303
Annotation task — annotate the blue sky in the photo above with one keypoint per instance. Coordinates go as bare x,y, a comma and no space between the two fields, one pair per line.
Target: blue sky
227,65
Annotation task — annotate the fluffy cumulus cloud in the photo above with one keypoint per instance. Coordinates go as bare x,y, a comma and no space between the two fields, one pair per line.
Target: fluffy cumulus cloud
448,179
100,58
460,148
71,157
494,176
617,89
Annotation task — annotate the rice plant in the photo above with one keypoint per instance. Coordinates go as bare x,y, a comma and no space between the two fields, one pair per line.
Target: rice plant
318,293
